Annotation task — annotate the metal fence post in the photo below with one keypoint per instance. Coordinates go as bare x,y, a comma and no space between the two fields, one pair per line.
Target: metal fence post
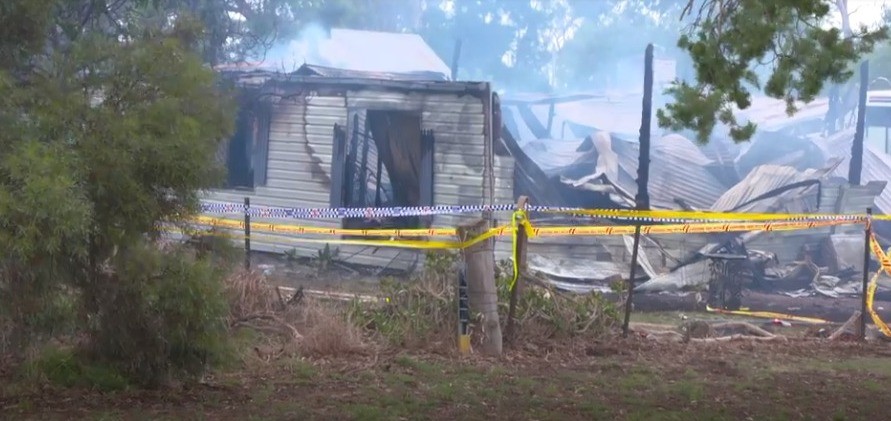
247,233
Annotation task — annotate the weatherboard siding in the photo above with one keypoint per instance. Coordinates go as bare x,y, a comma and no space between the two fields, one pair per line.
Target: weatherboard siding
300,154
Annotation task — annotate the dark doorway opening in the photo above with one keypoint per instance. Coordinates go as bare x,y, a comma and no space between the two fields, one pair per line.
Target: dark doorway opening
387,163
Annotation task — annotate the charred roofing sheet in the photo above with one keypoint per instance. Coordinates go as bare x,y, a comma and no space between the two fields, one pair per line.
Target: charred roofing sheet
678,168
876,163
763,179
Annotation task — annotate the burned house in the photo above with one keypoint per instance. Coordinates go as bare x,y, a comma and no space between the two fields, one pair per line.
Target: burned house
581,150
325,137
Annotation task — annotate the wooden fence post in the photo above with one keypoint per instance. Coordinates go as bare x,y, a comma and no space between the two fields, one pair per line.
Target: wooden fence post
519,257
479,264
867,251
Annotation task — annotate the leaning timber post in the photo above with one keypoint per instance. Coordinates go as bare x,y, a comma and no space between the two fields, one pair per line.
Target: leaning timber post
855,168
482,295
642,200
247,233
519,257
866,252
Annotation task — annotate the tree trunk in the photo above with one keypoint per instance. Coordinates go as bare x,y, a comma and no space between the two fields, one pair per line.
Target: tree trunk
856,166
479,264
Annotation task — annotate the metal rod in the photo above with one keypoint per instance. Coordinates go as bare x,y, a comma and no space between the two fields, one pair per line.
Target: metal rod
463,314
247,233
866,258
629,300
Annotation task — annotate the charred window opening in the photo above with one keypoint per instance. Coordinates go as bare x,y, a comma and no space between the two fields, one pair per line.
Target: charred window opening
245,154
383,159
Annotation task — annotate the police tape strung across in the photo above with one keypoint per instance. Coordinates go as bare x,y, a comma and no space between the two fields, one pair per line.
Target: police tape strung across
670,216
885,263
683,222
521,221
337,213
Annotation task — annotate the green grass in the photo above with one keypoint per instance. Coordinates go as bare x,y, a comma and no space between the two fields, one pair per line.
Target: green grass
602,388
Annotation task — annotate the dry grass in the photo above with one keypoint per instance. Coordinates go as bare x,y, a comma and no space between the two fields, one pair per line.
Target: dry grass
249,294
419,314
309,326
327,330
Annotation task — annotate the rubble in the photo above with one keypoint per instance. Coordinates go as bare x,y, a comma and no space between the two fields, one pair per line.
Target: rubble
788,168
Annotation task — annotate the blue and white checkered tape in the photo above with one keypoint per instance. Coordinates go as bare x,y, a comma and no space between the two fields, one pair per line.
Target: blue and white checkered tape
324,213
338,213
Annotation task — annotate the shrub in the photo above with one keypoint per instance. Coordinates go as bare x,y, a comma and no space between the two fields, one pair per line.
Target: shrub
32,312
544,312
63,367
162,313
416,313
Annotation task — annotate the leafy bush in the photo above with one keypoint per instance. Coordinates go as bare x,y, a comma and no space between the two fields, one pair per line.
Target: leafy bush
423,310
96,159
163,314
544,312
31,313
63,367
416,312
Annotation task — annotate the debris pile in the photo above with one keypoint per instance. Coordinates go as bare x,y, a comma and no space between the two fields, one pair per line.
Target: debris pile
791,168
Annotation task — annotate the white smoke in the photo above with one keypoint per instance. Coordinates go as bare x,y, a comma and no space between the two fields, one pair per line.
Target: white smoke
309,47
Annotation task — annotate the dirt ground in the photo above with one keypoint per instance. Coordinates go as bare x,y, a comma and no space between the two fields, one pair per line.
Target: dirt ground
831,309
613,379
617,379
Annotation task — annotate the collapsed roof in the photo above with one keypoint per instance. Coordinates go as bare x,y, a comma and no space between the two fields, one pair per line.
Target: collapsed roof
584,152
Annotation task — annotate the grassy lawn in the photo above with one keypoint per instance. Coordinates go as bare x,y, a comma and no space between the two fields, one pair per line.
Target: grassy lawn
623,379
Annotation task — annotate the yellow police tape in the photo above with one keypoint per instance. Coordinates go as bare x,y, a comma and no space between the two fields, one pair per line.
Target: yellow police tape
706,215
874,284
410,244
768,315
697,228
519,221
305,230
687,228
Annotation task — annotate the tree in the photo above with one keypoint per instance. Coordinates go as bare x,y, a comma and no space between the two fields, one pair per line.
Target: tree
507,38
103,139
613,32
729,39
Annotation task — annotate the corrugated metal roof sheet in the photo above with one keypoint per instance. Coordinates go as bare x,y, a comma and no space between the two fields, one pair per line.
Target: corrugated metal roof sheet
314,70
678,168
364,51
764,179
876,163
770,114
350,53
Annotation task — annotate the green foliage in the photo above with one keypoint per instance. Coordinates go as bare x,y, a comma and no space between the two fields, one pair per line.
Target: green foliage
101,143
414,313
545,312
424,310
163,314
729,42
64,368
417,310
326,256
